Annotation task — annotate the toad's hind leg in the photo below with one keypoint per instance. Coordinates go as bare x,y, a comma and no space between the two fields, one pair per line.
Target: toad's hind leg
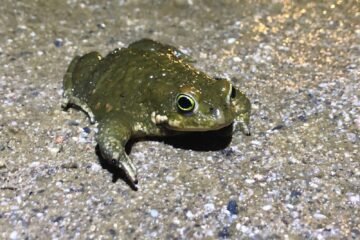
112,138
78,82
70,101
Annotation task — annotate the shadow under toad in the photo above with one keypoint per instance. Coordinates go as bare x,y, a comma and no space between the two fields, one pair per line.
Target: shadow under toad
197,141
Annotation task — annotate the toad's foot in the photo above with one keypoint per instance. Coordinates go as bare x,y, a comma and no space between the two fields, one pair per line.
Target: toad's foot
242,126
112,139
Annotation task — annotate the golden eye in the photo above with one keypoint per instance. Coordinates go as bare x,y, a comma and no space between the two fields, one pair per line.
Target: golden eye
185,103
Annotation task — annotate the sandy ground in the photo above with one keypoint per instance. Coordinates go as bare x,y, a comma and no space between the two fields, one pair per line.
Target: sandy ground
296,177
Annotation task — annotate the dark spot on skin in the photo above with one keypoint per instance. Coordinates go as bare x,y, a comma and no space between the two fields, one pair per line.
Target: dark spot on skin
108,107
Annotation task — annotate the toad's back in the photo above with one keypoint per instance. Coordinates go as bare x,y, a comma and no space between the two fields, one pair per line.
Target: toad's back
132,79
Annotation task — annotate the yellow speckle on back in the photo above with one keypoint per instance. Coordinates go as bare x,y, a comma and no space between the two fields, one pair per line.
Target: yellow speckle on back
108,107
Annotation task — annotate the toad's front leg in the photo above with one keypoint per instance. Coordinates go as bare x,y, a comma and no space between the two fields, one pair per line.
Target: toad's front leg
242,108
112,138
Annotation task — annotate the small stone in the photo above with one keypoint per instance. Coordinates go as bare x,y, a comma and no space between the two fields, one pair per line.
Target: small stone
295,194
189,215
236,59
319,216
224,233
70,165
87,130
266,207
354,199
101,25
54,150
278,127
169,178
59,139
14,235
209,208
34,164
231,40
302,118
2,164
232,207
73,123
351,137
203,55
112,232
95,167
154,213
249,181
59,42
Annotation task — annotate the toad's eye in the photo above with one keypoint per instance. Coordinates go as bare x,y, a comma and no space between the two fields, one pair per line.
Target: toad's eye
185,103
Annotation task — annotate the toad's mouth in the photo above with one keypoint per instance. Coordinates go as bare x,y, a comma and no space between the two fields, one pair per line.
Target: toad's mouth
187,126
175,126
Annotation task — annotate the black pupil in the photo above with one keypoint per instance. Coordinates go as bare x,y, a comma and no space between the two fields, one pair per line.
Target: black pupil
233,92
184,103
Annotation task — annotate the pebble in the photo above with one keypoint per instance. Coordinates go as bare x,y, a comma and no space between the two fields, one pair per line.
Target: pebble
295,194
95,167
231,40
72,123
266,207
101,25
54,150
224,233
58,42
355,199
14,235
34,164
236,59
87,130
2,164
351,137
154,213
59,139
249,181
169,178
189,215
209,208
319,216
232,207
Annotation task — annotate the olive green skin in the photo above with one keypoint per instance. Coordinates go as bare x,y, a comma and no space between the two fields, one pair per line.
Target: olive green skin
133,92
